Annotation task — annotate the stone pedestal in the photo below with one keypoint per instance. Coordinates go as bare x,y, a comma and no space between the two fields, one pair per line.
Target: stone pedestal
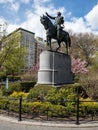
55,68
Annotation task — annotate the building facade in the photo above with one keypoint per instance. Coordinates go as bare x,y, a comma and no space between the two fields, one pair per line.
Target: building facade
34,46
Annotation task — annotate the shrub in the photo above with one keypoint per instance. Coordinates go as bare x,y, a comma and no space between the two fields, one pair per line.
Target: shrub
88,105
16,86
66,92
39,92
27,107
26,86
14,78
43,107
14,105
4,103
18,94
28,76
57,110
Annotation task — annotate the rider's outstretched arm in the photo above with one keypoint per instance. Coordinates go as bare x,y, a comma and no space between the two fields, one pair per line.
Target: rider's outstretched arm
50,16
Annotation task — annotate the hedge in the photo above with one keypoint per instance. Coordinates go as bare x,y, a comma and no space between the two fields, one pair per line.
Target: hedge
17,86
44,107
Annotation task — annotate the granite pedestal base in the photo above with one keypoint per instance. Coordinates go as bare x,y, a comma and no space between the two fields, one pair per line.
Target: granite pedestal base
55,68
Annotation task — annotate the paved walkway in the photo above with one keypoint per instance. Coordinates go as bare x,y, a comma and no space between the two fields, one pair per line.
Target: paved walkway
8,123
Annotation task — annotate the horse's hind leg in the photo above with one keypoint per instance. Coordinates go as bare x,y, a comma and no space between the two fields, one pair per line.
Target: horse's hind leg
49,42
66,42
67,50
58,47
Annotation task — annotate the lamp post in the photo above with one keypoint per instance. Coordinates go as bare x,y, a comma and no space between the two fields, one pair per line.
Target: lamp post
7,81
77,107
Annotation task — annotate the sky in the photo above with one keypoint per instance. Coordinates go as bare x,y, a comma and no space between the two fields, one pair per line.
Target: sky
80,15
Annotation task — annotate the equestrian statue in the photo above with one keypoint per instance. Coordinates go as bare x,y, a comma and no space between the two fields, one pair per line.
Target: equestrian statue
55,31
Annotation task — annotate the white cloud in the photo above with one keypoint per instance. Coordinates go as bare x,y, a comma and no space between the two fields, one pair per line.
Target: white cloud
25,1
92,17
33,18
14,6
41,1
33,24
88,23
3,26
41,7
2,1
2,20
6,1
77,25
12,28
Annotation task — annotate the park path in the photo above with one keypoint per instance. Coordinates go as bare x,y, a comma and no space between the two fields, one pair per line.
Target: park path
7,123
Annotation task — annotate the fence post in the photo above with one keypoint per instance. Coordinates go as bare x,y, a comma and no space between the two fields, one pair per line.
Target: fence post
77,107
20,107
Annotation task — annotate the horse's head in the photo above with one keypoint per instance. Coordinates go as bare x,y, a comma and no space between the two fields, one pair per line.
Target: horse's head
45,21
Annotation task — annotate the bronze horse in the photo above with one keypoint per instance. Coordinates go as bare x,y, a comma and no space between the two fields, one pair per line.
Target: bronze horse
51,33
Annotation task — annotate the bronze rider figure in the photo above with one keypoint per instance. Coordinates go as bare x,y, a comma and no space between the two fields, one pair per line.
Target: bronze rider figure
59,23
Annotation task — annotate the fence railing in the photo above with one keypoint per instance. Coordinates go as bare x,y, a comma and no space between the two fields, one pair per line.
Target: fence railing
23,108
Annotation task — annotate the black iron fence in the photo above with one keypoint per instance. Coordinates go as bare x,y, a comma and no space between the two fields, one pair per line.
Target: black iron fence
76,110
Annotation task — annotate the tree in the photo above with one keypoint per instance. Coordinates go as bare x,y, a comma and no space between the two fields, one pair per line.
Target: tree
84,46
90,84
79,66
3,28
12,54
94,66
31,73
90,80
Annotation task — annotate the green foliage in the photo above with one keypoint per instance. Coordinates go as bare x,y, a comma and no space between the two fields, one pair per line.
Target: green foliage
33,107
49,100
4,103
66,92
87,106
14,105
17,86
18,94
54,95
84,46
88,103
14,78
28,76
2,73
26,86
12,55
39,91
94,67
53,109
90,84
